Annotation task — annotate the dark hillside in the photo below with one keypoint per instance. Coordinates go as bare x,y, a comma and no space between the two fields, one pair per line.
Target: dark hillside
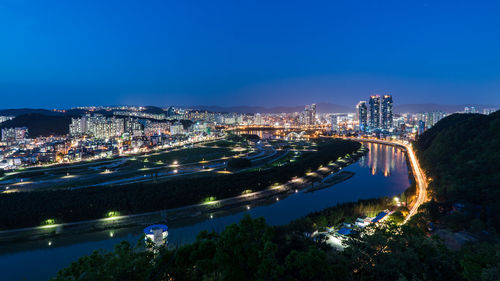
40,125
461,154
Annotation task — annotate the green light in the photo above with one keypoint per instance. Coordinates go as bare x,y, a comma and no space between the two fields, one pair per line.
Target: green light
209,199
49,222
112,214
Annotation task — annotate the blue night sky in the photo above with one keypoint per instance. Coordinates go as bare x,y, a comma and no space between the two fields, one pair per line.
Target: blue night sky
70,53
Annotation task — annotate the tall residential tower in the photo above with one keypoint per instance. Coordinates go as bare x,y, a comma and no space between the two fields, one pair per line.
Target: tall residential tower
362,114
375,111
386,118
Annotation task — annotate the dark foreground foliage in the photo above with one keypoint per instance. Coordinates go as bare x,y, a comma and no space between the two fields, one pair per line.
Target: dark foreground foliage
252,250
461,155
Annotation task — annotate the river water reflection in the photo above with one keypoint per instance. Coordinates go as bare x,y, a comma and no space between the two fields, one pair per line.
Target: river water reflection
382,172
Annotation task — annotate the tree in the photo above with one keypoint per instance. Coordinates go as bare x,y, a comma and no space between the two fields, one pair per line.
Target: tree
391,252
312,265
241,249
397,217
124,263
480,259
431,209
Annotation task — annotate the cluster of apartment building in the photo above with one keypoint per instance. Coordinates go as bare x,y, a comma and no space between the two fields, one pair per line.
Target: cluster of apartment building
31,151
379,114
102,127
308,116
18,134
5,118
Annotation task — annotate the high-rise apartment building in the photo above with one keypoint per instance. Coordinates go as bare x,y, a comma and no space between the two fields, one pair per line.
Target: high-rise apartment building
5,118
488,111
78,126
431,118
102,127
420,127
374,111
386,117
313,114
14,134
258,119
177,128
308,116
362,115
470,109
334,122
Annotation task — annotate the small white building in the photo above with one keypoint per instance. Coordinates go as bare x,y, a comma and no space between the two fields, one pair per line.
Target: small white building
156,234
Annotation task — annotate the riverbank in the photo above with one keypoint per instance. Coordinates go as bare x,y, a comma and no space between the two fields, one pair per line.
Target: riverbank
380,173
27,209
202,210
331,180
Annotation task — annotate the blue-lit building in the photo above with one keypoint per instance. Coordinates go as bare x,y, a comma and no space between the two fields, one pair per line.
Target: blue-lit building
421,127
362,114
386,118
375,112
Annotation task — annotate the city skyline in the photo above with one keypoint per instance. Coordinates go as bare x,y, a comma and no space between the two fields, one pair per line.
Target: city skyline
249,140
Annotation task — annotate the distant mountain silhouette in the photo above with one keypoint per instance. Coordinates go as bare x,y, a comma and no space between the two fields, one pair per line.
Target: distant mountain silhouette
23,111
335,108
427,107
321,108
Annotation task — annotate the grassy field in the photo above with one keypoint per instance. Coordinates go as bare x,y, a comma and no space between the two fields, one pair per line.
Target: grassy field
121,168
190,155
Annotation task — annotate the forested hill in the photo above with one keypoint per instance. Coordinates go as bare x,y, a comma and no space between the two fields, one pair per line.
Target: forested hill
461,154
40,125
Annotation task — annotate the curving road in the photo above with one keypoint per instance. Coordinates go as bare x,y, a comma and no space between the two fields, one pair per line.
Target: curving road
417,172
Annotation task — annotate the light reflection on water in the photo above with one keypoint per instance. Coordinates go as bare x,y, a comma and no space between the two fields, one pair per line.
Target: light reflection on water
263,134
382,172
383,159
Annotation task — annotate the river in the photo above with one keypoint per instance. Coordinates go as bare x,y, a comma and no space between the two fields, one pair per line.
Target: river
381,172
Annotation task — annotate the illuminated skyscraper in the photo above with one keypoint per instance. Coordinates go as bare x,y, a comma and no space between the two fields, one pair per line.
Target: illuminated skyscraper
14,134
386,118
375,111
431,118
488,111
258,119
309,115
420,127
313,114
470,109
334,122
362,114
